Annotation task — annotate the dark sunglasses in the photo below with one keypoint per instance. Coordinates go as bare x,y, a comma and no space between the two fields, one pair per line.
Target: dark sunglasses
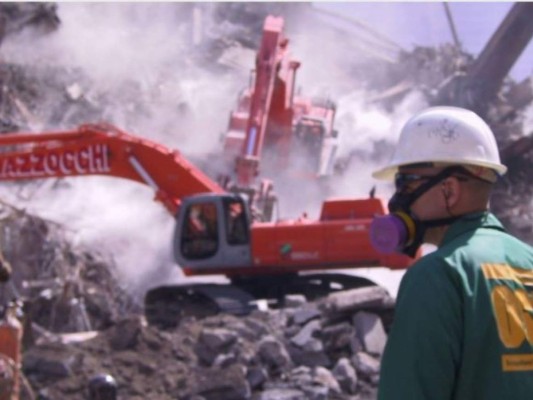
402,179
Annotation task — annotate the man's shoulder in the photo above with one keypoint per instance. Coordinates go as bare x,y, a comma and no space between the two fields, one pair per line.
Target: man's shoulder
431,264
444,263
431,279
483,243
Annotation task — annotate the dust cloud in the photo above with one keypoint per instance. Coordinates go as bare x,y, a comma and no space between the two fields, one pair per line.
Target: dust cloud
121,47
129,48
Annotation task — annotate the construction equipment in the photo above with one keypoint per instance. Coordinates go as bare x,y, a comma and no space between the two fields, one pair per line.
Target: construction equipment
275,127
214,233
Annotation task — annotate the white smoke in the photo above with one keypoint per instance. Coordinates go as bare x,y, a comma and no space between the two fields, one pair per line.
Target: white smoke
110,42
121,45
149,44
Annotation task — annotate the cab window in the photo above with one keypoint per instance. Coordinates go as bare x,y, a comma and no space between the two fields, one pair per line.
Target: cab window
200,231
237,229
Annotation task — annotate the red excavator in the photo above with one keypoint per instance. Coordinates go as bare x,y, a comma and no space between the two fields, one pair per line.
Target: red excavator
214,232
275,127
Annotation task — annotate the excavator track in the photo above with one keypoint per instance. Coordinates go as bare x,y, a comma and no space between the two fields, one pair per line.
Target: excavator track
312,286
166,306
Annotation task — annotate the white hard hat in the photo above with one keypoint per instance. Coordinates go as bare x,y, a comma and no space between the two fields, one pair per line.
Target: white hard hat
445,135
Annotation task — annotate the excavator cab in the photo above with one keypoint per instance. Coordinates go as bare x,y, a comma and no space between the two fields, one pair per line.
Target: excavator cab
310,132
317,145
213,230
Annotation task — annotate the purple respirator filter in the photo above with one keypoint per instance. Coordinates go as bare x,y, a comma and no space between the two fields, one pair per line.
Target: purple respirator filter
388,233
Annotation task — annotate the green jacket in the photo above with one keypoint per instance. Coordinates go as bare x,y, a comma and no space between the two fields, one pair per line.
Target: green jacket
463,325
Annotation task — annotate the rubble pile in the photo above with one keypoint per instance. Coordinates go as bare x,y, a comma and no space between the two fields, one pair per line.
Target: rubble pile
64,288
327,349
78,322
424,68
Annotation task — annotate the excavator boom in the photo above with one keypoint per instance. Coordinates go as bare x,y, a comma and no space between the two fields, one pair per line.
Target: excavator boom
274,129
103,150
270,103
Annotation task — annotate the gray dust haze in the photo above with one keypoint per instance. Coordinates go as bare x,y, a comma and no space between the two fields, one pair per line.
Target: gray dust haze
150,51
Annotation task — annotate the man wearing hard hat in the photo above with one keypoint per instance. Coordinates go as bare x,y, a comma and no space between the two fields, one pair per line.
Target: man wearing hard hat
463,325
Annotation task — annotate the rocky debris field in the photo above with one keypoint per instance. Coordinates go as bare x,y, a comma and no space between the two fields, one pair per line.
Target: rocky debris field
324,350
80,320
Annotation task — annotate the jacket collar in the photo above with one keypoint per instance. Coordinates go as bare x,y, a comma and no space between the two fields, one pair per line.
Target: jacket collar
470,222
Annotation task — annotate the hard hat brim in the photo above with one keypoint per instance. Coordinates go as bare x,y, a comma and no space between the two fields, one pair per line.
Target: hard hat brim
387,173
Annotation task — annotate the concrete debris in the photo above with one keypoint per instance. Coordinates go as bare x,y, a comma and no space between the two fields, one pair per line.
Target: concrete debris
294,300
214,343
349,301
521,94
65,288
273,354
370,332
346,375
303,338
181,363
221,384
304,313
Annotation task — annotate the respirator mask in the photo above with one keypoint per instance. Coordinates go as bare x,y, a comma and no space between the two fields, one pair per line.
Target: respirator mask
400,231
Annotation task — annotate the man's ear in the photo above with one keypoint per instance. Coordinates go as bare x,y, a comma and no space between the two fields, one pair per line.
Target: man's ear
451,190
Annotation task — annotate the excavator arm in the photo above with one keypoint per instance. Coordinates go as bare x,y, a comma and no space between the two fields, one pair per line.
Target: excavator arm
273,130
271,113
103,150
